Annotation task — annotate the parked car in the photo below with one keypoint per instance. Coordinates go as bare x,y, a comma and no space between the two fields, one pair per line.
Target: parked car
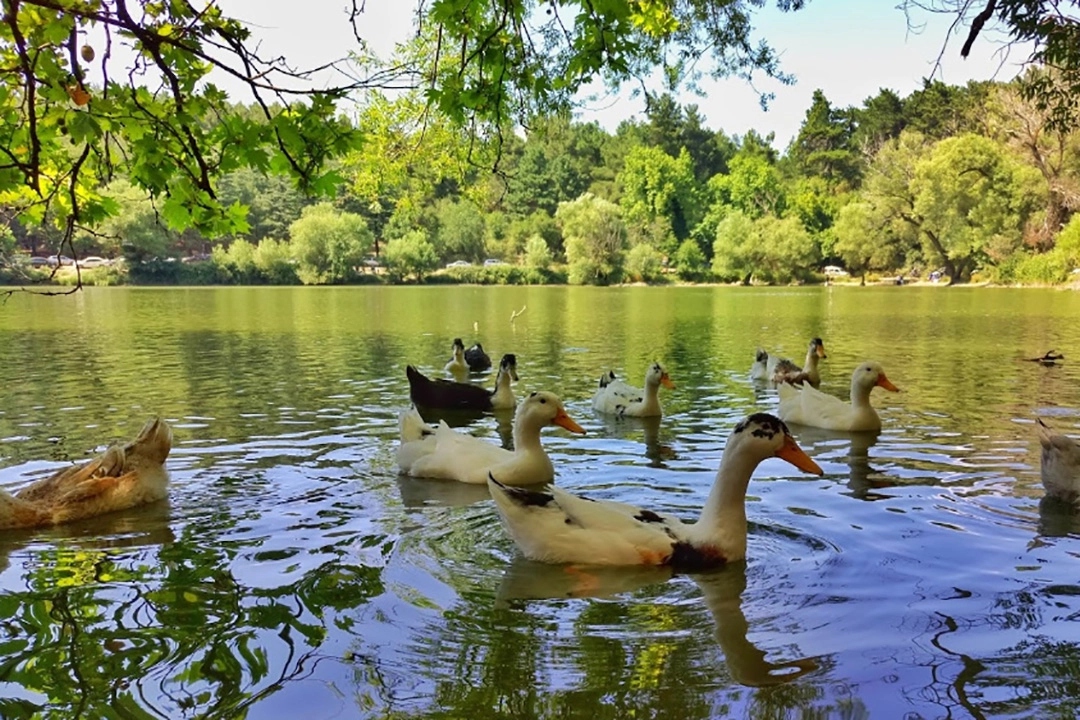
493,261
38,261
834,271
459,263
54,260
92,261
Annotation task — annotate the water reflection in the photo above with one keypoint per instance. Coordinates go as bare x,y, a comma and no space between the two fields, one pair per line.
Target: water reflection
657,449
721,591
421,492
864,481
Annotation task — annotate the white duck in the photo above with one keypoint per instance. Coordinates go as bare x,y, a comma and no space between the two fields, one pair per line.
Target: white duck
809,406
558,527
1060,464
615,397
457,365
426,451
788,372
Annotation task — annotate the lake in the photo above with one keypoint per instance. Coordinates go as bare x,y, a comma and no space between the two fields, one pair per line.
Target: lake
294,573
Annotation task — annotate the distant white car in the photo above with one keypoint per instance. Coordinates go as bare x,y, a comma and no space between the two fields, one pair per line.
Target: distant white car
493,261
459,263
834,271
92,261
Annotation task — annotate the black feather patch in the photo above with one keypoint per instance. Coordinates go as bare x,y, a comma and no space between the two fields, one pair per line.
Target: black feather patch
685,556
766,425
648,516
523,497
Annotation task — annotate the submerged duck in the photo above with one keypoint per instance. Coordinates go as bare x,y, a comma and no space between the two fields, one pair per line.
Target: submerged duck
559,527
1060,464
457,365
616,397
450,395
477,359
439,452
787,372
809,406
124,476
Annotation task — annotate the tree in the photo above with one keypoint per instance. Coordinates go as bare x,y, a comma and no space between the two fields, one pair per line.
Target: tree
753,186
537,253
595,238
461,231
737,250
272,201
644,264
328,245
863,240
881,118
410,255
273,259
658,186
823,147
690,263
787,251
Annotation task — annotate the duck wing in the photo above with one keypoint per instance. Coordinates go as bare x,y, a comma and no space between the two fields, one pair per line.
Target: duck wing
557,526
614,397
807,405
456,456
446,394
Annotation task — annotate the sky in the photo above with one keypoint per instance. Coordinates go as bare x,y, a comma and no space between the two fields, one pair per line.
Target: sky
849,49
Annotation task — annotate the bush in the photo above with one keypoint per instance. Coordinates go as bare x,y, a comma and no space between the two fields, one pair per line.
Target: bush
497,275
328,244
644,263
537,253
273,259
690,263
411,254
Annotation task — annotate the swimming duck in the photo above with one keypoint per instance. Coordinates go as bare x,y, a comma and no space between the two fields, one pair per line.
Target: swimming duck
809,406
457,365
558,527
124,476
476,358
788,372
439,452
450,395
1060,464
616,397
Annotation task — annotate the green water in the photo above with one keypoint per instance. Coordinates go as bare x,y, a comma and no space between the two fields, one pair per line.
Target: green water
293,573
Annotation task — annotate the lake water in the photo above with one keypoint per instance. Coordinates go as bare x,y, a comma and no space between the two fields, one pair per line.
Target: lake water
294,574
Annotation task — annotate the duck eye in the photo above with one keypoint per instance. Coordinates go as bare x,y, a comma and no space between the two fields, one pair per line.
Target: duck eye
543,400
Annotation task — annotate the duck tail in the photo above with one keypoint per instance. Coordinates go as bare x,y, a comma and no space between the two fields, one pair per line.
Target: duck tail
412,426
1046,434
154,441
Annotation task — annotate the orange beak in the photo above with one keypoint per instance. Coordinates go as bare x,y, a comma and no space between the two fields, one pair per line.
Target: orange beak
666,382
883,381
795,455
563,420
821,351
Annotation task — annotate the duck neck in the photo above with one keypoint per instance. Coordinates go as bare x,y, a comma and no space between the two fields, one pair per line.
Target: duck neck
527,436
810,364
860,395
651,401
503,394
723,519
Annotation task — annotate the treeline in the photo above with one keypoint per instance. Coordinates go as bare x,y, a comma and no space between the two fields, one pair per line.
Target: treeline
969,180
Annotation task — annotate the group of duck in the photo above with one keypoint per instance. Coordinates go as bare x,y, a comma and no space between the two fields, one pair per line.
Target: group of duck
551,524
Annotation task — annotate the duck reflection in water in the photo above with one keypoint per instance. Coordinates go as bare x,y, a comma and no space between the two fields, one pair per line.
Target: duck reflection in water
721,590
657,452
865,482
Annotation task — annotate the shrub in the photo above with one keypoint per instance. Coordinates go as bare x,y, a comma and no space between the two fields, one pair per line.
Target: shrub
644,263
690,263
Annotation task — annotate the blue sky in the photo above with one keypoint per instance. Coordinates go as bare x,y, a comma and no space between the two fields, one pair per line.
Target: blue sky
847,48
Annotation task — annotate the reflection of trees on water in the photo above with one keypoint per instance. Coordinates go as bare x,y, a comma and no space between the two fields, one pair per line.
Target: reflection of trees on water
864,481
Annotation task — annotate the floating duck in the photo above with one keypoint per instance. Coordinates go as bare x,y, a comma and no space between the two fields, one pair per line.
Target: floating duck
477,359
457,365
439,452
450,395
787,372
807,405
1050,358
124,476
1060,465
558,527
615,397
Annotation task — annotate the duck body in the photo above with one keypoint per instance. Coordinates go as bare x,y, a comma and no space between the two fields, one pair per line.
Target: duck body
124,476
1060,463
477,359
807,405
616,397
457,365
558,527
451,395
785,371
440,452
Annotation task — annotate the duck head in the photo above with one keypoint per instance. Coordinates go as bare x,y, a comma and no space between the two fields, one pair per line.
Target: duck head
762,436
545,408
869,375
817,347
657,375
508,365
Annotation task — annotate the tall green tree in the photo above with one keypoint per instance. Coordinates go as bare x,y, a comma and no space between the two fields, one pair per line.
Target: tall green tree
329,245
657,186
823,146
595,238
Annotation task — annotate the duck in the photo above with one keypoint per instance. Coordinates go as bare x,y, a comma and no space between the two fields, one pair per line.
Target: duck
807,405
555,526
124,476
440,452
615,397
457,365
477,359
788,372
1060,463
450,395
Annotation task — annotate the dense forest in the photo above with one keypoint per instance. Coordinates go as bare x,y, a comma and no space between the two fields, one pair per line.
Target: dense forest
972,182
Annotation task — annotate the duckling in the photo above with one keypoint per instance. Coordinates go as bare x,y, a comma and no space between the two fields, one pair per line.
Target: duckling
477,359
457,365
439,452
1060,466
558,527
787,372
450,395
615,397
124,476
